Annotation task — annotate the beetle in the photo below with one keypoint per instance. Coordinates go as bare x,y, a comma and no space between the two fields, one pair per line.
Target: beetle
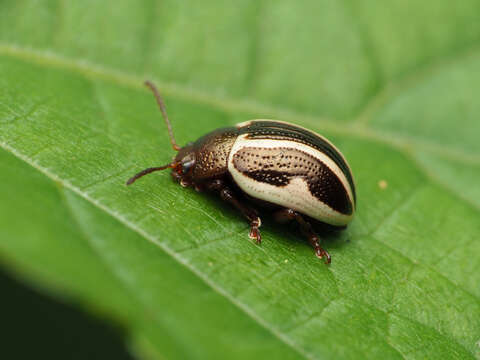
286,169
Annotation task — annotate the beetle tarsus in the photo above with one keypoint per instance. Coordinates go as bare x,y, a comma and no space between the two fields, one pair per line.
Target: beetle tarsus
321,253
254,231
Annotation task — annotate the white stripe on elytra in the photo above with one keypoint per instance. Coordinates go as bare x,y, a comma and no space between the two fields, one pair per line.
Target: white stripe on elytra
249,122
296,194
242,141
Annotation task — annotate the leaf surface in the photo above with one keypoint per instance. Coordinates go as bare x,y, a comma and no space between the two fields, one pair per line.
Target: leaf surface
396,93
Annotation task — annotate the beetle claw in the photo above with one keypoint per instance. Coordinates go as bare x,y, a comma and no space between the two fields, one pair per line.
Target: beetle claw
320,252
255,235
254,232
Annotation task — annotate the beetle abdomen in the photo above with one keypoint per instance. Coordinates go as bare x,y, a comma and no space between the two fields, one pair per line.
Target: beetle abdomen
277,162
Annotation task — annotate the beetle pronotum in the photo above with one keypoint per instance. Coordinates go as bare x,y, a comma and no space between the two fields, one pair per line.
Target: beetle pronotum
286,169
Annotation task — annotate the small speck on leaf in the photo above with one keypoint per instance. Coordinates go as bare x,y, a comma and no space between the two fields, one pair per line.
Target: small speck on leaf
382,184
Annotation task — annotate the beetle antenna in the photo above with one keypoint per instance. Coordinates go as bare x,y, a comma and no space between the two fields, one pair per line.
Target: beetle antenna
148,171
163,109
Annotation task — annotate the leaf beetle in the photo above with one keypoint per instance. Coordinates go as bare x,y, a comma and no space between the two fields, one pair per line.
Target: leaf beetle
286,169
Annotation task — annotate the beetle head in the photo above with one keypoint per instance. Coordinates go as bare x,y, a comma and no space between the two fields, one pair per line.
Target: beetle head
183,165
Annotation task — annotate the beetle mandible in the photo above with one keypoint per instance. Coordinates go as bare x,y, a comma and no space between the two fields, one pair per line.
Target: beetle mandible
289,170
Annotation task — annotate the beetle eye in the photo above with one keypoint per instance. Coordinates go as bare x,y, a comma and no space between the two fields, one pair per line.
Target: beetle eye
187,166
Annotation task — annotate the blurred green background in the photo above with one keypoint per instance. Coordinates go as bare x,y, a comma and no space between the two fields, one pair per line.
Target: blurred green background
162,272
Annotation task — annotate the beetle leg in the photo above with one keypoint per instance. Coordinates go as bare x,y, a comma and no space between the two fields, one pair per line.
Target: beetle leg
285,215
227,195
251,215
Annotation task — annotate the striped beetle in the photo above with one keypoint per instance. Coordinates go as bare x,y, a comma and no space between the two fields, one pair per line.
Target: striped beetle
284,168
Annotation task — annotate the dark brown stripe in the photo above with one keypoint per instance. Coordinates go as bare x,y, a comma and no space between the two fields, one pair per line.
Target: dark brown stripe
281,131
278,166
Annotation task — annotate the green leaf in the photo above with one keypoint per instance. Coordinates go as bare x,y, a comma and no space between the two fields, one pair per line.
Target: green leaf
393,84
